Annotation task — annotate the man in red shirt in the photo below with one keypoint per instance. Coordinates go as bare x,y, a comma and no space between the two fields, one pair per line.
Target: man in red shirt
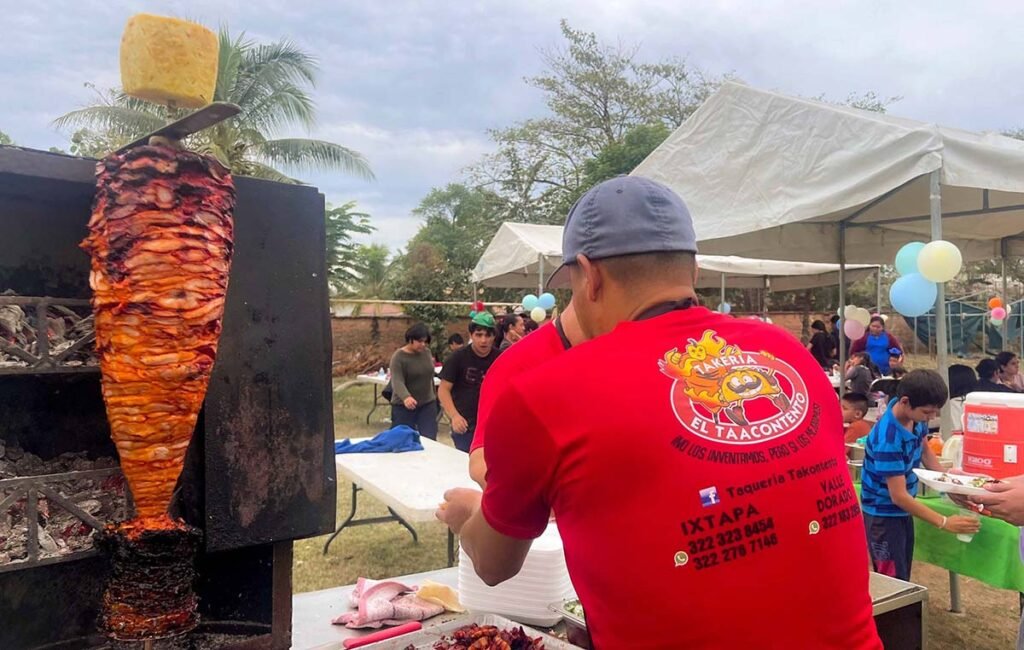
546,343
692,460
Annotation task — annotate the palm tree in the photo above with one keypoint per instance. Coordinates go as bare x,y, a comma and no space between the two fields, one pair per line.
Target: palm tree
373,268
268,81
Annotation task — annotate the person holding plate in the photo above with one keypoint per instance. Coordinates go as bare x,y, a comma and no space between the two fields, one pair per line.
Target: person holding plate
894,449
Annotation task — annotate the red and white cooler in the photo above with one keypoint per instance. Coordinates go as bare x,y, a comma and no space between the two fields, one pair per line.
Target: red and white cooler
993,425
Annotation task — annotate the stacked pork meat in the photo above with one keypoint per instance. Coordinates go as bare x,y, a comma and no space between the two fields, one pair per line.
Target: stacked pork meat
160,238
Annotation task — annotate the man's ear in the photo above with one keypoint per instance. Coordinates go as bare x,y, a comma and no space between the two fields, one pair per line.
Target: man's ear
592,277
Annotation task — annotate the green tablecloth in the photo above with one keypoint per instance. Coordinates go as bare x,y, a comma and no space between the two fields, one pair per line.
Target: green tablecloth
993,556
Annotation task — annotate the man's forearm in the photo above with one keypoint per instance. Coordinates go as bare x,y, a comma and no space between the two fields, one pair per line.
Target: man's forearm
494,561
444,395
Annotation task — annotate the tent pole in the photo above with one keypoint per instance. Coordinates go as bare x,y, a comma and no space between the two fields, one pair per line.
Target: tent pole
942,343
764,296
540,276
1005,327
842,308
878,290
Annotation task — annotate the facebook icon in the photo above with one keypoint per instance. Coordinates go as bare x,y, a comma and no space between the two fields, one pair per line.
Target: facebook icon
709,497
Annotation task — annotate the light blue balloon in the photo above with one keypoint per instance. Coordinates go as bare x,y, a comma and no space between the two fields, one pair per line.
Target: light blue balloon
724,308
530,301
913,295
546,301
906,258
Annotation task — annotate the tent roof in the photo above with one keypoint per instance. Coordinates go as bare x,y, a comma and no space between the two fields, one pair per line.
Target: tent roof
512,259
766,175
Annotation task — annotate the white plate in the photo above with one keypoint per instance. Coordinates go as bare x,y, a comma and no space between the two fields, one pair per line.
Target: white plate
931,479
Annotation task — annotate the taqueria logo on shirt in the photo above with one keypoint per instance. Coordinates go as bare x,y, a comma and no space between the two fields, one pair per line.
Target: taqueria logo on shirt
725,394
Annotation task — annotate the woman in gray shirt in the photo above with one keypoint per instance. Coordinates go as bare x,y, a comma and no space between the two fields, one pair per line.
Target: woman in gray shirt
413,400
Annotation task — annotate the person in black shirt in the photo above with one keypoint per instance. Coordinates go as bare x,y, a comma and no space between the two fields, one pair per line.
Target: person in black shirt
461,377
822,346
838,338
987,369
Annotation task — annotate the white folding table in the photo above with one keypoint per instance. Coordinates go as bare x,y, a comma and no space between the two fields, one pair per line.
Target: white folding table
411,484
379,382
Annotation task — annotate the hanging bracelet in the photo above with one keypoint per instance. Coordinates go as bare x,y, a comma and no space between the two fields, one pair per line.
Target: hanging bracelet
942,526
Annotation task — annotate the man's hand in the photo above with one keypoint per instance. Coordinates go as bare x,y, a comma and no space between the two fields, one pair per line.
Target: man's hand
459,424
1005,501
410,403
459,505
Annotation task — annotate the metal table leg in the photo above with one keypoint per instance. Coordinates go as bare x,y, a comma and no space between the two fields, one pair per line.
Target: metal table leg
352,521
954,593
376,402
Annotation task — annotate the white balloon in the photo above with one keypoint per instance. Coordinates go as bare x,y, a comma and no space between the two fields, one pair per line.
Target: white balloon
849,311
862,316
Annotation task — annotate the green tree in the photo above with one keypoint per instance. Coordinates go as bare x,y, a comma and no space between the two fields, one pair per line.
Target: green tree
595,94
5,139
458,223
342,223
422,273
373,269
270,82
623,157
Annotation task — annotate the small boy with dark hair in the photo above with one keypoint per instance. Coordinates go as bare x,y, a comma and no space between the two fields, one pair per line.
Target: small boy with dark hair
855,407
895,447
858,373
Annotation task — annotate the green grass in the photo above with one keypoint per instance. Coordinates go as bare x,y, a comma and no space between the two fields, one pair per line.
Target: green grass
375,551
387,550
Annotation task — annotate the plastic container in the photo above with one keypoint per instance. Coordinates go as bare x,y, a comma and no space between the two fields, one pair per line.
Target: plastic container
543,579
575,627
965,537
993,440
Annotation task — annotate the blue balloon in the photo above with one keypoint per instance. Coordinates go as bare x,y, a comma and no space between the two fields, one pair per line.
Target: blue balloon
530,301
913,295
546,301
724,308
906,258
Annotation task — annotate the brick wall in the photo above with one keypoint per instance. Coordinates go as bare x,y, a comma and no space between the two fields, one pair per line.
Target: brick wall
366,343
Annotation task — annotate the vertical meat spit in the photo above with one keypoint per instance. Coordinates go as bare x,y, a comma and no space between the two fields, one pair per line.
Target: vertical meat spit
160,238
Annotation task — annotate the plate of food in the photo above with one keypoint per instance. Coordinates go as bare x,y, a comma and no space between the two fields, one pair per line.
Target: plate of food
966,484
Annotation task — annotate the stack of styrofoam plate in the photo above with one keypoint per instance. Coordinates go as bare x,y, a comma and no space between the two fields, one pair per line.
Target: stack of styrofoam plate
544,579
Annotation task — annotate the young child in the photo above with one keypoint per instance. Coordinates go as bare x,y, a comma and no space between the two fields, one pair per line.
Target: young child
895,447
855,407
858,374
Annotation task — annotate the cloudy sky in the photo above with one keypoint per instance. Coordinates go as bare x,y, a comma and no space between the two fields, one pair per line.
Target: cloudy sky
414,85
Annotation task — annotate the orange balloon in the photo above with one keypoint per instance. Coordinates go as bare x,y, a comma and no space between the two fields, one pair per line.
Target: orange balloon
993,303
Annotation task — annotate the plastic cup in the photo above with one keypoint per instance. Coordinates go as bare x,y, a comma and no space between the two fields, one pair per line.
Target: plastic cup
966,538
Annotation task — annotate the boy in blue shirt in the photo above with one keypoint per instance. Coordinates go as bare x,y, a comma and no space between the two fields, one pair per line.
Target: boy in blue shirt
894,448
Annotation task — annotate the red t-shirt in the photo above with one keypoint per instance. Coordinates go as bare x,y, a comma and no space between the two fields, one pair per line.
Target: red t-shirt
696,468
533,350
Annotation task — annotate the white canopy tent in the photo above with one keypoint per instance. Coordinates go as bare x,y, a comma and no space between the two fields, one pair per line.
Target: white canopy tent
766,174
523,255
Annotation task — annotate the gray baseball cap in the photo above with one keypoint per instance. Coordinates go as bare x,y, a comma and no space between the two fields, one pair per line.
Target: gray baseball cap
625,215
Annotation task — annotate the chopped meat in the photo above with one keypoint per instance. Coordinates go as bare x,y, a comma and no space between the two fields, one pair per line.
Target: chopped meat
160,238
